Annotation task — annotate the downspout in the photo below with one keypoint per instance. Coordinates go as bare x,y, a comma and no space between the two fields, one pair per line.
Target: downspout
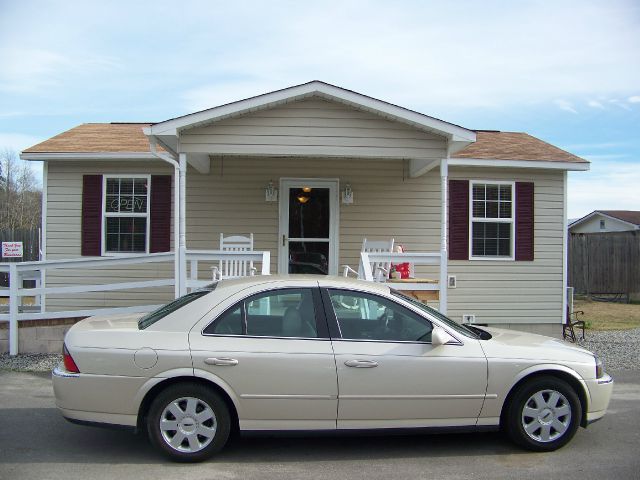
176,211
444,226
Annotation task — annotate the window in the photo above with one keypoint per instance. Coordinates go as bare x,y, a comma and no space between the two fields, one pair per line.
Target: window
362,316
279,313
492,220
126,214
160,313
602,224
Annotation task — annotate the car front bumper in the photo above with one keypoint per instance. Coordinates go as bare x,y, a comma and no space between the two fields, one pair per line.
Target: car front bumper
599,396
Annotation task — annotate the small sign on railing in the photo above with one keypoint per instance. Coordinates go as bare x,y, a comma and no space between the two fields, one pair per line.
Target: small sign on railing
12,250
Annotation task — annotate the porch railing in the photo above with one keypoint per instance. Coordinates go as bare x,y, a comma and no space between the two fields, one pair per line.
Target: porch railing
37,271
417,258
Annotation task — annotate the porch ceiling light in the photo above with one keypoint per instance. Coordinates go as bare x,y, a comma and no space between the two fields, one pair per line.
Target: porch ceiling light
306,189
271,193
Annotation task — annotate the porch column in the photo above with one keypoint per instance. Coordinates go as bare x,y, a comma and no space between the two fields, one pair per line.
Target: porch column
183,223
444,226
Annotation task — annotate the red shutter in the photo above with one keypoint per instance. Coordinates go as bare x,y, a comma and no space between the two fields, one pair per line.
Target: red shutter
458,220
524,221
91,230
160,209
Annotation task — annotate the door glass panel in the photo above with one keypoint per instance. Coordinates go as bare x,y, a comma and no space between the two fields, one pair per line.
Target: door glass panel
282,313
368,317
309,212
309,257
229,323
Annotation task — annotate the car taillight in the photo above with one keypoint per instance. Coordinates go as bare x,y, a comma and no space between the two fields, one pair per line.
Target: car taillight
69,364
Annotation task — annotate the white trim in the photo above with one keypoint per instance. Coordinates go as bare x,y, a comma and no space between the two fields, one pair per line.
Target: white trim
511,221
333,184
43,220
331,92
598,212
89,156
147,215
444,227
544,164
565,240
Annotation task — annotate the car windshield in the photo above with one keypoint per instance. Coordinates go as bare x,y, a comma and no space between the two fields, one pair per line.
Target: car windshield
432,311
163,311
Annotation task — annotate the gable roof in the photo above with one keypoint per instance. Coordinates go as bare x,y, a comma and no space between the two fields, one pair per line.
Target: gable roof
129,138
315,88
631,217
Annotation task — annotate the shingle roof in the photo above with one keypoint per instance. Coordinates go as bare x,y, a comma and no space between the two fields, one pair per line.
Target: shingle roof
96,137
631,216
514,146
129,138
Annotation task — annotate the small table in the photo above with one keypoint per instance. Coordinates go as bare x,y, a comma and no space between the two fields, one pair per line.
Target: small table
422,289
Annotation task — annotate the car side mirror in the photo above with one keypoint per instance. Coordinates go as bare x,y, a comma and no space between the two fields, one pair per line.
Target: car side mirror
439,336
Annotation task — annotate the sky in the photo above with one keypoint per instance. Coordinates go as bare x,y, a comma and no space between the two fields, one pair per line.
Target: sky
567,72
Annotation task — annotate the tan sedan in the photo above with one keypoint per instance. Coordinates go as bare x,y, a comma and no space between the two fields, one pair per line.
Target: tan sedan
319,353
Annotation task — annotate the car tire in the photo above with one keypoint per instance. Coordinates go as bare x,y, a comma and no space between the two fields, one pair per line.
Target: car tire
188,423
543,414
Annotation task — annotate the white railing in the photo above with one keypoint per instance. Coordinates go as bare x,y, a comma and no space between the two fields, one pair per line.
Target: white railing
18,272
418,258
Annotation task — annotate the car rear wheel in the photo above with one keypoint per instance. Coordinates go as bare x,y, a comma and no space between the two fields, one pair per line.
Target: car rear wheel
543,414
188,423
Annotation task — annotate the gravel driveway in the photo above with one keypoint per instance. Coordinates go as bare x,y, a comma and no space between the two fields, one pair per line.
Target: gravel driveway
620,350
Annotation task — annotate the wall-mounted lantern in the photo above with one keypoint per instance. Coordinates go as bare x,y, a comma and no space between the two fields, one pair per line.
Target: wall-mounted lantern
347,195
271,193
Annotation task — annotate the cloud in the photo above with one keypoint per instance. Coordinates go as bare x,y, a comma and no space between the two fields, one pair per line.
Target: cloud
565,105
634,99
609,185
595,104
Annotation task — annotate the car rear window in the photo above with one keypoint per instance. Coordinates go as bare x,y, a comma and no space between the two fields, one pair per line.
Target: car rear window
152,317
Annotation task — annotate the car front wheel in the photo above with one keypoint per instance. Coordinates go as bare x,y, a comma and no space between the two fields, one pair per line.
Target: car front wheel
543,414
188,423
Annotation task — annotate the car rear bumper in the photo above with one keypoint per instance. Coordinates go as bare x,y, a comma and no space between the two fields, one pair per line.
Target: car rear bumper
93,398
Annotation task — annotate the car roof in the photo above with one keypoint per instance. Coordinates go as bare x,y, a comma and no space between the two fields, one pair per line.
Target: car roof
324,281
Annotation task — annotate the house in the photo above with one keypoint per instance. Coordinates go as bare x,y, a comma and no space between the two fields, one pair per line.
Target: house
601,221
311,170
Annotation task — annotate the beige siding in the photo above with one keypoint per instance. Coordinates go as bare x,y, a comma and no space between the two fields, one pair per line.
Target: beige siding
516,292
313,127
230,199
64,204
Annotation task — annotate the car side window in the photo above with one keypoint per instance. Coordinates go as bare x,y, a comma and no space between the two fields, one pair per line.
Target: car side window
362,316
229,323
277,313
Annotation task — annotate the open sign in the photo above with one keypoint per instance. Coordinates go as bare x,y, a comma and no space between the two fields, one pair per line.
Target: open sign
12,249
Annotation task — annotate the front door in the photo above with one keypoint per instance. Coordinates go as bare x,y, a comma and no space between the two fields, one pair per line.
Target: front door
308,226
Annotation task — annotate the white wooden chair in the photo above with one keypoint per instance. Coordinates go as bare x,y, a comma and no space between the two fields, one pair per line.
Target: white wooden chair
234,268
380,270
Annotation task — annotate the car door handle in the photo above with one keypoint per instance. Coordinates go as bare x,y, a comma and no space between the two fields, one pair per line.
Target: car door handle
361,363
230,362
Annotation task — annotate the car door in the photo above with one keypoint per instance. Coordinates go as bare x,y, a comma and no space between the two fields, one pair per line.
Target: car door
389,373
273,350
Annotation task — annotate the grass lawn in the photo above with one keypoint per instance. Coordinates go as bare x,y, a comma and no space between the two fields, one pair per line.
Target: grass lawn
608,315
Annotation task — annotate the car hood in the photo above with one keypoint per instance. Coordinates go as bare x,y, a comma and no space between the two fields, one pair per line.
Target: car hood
515,344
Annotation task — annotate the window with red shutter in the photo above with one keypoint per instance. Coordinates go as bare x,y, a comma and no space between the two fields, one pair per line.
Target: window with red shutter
91,223
458,220
524,221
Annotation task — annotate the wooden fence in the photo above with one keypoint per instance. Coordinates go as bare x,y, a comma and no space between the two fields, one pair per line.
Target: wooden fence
31,247
605,263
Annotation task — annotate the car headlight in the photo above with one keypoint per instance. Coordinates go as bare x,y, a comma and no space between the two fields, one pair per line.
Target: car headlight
599,367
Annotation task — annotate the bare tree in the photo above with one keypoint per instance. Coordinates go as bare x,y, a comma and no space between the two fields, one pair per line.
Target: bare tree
20,193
